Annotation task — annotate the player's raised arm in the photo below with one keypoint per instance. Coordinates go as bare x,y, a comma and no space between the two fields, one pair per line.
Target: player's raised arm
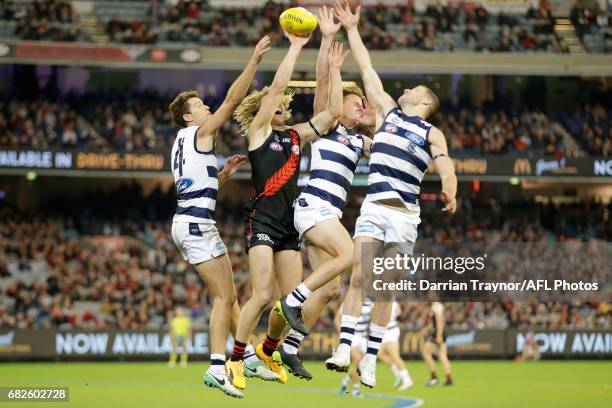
323,121
237,91
445,168
375,92
368,119
328,29
261,126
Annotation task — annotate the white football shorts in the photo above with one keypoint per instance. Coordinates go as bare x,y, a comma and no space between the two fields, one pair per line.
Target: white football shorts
197,242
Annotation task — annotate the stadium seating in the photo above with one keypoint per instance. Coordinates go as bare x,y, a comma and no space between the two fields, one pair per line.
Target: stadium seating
55,273
593,25
592,127
109,119
41,20
462,26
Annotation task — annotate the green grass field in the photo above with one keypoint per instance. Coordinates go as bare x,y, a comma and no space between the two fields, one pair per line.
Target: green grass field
478,384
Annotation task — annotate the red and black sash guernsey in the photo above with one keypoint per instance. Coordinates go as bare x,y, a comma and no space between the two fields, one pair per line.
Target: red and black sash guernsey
275,168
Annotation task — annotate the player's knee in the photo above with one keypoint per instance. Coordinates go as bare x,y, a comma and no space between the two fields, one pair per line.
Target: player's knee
356,264
346,260
356,280
227,298
264,297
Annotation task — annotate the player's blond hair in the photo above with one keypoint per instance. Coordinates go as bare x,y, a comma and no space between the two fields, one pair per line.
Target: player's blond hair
249,107
352,90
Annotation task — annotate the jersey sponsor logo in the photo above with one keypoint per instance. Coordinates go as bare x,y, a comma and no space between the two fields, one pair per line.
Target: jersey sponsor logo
365,228
219,246
276,147
286,140
295,149
413,137
264,237
343,140
302,202
183,184
194,229
390,128
325,211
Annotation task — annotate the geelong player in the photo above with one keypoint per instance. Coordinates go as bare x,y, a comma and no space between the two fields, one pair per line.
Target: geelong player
402,149
180,335
435,340
194,166
389,349
271,238
319,207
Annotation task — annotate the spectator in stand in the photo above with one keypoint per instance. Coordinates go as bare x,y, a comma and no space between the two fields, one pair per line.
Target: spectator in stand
501,133
47,20
592,127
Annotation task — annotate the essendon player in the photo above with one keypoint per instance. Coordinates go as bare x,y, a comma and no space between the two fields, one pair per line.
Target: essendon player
271,238
435,340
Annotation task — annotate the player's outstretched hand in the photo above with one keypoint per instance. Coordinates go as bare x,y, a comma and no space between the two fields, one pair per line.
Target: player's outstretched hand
262,47
336,56
326,22
233,163
342,11
298,40
451,203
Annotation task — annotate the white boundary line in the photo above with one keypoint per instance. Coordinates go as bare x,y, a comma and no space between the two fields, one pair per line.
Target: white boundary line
416,402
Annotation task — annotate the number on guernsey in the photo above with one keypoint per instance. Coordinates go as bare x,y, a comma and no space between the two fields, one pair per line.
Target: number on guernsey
178,157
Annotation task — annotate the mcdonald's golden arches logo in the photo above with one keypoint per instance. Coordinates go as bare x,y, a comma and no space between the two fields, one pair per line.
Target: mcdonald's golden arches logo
522,166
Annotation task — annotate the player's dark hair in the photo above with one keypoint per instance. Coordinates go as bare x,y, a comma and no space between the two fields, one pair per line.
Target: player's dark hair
180,106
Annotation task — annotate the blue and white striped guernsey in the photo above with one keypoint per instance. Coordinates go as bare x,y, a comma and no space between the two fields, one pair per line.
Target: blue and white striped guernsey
334,159
399,158
195,177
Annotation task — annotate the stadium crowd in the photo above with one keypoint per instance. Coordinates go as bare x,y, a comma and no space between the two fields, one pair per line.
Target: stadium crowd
440,28
591,21
454,26
129,121
118,267
139,120
591,124
498,131
47,20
